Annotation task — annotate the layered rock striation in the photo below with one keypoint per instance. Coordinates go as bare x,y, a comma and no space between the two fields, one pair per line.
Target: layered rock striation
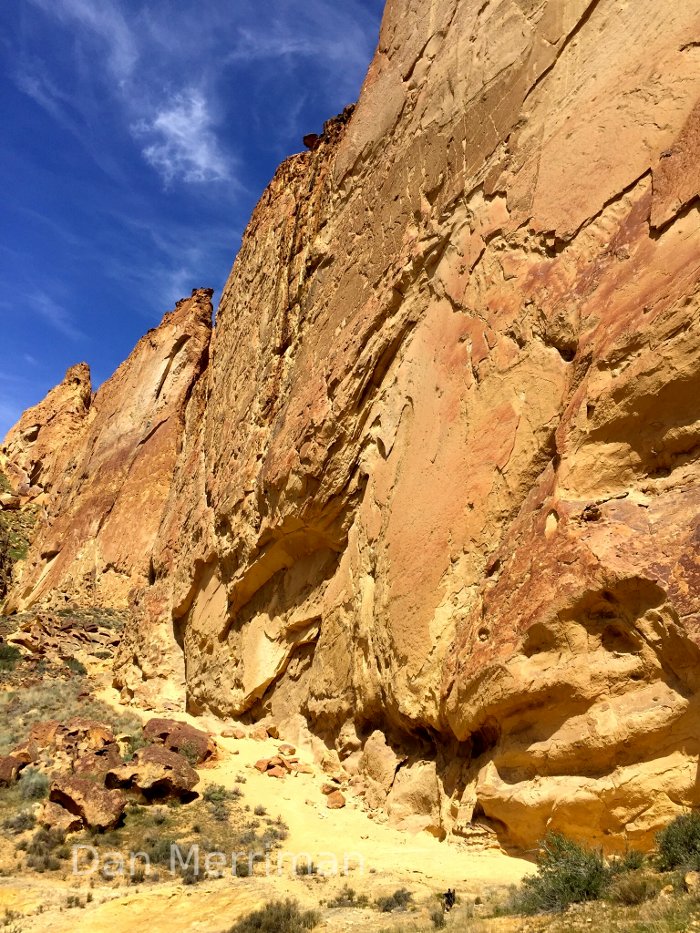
436,497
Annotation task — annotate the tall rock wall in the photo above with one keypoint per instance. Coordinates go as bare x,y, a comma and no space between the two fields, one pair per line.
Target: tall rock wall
437,495
94,545
444,489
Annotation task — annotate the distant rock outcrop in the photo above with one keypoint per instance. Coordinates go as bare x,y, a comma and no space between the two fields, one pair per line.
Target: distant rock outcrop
95,545
44,438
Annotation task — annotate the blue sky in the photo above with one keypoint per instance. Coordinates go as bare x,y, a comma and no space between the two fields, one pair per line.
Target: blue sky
137,137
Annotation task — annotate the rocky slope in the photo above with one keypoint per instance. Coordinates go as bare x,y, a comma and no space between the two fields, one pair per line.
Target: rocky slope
437,494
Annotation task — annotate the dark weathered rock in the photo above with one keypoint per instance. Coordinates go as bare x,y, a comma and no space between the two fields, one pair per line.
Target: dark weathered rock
156,772
99,762
180,737
9,770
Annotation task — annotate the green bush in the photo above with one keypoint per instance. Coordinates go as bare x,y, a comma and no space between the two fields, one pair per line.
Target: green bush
33,785
20,823
567,873
9,657
630,861
633,888
348,897
76,666
399,900
679,843
278,917
45,849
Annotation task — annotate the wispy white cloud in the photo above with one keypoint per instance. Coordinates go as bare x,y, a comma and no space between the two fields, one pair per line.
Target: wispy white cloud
54,314
184,143
105,21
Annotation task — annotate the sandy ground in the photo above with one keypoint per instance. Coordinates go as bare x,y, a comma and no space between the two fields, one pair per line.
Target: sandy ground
381,860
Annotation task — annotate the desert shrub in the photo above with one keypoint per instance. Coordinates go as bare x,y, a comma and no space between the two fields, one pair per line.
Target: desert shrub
33,785
45,849
190,875
567,873
632,860
260,810
278,917
348,897
632,888
438,919
218,798
399,900
9,657
190,753
20,823
76,666
679,843
158,848
215,793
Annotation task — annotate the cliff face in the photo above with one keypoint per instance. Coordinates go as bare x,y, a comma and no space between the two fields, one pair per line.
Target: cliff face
37,447
437,496
94,545
444,487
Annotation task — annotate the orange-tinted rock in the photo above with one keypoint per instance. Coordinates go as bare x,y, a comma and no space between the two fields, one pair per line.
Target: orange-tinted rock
335,800
277,771
259,733
9,770
42,442
438,488
97,808
54,816
233,733
99,762
97,543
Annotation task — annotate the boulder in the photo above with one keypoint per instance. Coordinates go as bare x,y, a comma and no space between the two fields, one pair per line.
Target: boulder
100,761
335,800
54,816
233,733
9,770
260,734
97,807
44,733
414,800
27,752
181,737
157,773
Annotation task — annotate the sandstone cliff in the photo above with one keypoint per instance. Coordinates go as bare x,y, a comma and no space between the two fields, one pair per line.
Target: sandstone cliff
38,446
437,497
102,519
